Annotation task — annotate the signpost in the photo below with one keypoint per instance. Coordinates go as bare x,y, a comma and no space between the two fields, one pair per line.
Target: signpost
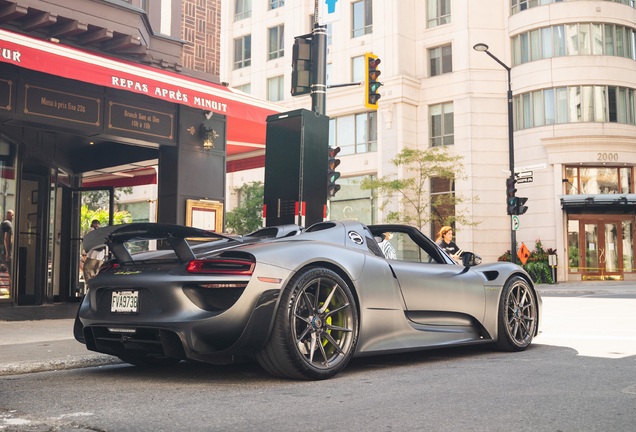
515,223
329,11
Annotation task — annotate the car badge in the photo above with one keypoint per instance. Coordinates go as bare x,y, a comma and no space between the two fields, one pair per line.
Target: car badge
355,237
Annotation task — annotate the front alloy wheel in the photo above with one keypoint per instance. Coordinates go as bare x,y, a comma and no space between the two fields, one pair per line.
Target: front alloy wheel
517,315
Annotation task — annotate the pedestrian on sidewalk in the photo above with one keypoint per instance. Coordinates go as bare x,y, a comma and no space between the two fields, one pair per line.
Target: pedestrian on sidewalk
6,230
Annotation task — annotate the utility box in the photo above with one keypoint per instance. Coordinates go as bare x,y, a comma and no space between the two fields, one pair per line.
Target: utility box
296,144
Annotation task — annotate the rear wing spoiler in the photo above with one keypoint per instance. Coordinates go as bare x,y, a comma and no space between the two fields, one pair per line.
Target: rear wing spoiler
116,235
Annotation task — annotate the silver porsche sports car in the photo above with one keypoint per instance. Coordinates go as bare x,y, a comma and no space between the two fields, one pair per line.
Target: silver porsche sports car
302,302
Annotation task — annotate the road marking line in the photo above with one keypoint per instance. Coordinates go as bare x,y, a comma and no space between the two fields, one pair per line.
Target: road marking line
590,337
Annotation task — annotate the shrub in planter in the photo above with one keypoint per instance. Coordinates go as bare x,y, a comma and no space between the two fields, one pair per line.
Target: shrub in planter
537,265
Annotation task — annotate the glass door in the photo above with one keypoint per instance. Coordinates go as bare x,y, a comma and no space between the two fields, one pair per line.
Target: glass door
601,247
591,250
76,208
30,247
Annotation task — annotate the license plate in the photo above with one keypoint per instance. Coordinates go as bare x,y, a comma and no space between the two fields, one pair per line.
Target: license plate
125,302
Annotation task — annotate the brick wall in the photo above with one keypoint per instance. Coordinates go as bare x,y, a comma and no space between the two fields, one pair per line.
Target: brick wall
201,28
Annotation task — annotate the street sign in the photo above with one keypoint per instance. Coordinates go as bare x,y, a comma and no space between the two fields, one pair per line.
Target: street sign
525,180
515,223
523,253
524,174
530,168
329,11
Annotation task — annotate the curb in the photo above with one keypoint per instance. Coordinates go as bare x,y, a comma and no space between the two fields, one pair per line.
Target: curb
584,291
58,364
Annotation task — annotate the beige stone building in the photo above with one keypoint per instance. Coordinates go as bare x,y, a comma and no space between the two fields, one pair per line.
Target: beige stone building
573,74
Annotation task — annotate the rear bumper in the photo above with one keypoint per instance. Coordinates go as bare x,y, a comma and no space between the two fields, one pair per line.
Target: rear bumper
203,336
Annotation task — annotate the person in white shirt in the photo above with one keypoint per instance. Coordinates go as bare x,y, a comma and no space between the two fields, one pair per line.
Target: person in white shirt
386,247
94,257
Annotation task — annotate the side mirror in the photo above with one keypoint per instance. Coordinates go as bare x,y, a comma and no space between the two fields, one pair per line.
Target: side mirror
470,259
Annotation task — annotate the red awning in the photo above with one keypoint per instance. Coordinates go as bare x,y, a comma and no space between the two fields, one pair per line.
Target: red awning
136,177
246,114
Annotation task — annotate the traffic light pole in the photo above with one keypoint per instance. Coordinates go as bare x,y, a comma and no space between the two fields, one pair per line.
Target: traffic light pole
511,155
511,145
319,66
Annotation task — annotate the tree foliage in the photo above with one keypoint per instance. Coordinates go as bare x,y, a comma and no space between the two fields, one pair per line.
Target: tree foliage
411,191
101,215
95,206
98,199
248,216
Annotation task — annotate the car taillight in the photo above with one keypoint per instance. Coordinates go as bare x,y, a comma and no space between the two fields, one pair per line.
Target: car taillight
221,266
106,267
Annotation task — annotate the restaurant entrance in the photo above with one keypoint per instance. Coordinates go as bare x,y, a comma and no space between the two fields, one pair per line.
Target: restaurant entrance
601,247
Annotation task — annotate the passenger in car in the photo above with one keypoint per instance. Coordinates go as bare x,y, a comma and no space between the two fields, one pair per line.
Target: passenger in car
387,249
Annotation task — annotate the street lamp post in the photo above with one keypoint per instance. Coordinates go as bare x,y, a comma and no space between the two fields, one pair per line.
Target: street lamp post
511,145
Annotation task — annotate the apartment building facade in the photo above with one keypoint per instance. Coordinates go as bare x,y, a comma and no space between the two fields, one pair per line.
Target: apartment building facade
573,77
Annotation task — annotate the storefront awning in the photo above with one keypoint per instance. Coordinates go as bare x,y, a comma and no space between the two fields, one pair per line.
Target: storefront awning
246,115
136,177
598,201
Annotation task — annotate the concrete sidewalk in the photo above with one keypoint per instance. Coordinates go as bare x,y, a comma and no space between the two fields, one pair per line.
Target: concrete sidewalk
48,344
44,345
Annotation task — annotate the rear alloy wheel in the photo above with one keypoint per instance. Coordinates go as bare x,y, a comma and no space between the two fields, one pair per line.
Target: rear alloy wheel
517,315
316,328
150,362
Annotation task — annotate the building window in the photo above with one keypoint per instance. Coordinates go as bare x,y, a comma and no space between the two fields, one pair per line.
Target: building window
575,104
440,60
598,180
275,4
242,52
329,78
521,5
357,69
275,89
442,129
442,203
362,18
439,12
276,42
246,88
353,203
242,9
166,17
356,133
574,39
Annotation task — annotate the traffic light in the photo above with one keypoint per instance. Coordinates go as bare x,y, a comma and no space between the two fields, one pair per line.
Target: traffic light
301,66
511,202
519,205
372,85
332,174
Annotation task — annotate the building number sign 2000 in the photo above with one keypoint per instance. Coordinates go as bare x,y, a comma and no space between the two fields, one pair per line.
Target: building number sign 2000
602,157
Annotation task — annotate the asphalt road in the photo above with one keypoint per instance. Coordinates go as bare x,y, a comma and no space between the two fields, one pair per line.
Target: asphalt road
579,375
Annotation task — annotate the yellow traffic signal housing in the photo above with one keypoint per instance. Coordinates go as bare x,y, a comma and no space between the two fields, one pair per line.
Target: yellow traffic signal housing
372,85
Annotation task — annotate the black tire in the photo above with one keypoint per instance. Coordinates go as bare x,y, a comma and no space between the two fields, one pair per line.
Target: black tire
517,315
150,362
315,330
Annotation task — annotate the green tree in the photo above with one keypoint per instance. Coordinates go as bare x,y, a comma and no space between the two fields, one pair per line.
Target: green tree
248,216
102,216
97,199
412,190
95,206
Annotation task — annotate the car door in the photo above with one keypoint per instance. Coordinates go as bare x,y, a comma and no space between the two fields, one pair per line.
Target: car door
444,292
